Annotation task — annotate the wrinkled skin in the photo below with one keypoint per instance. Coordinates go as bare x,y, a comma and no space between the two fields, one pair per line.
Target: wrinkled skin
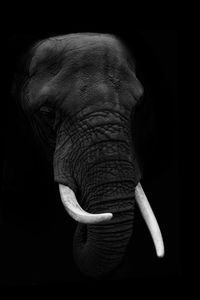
80,93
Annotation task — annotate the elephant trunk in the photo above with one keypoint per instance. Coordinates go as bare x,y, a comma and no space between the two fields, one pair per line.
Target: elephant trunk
98,249
97,162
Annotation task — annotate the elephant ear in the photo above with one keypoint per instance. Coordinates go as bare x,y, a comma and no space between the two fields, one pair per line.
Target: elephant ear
137,87
43,126
42,119
136,115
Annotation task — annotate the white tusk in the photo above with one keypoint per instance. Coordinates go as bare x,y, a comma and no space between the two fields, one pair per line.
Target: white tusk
76,212
150,220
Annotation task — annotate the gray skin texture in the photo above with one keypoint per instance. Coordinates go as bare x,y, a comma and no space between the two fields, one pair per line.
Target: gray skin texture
80,92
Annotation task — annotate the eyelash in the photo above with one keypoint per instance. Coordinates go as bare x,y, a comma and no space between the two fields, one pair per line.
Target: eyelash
47,112
45,109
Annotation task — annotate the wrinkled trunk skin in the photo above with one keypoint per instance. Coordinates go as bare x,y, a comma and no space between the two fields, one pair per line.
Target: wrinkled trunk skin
94,157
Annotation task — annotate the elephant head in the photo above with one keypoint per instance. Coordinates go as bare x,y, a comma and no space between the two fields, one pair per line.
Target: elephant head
80,92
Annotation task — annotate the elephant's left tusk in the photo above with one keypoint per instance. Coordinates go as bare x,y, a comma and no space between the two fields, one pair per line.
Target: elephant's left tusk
150,220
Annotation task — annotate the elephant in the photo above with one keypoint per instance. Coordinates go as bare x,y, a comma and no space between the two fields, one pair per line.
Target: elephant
79,92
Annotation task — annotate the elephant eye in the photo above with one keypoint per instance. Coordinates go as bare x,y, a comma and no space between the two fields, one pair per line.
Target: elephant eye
47,111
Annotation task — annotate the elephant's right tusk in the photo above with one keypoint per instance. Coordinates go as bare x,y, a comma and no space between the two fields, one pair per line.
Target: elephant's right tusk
76,212
150,220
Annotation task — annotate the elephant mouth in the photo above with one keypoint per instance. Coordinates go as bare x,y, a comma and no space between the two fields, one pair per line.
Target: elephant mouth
80,215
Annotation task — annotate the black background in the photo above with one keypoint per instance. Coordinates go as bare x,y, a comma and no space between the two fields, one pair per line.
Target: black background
36,233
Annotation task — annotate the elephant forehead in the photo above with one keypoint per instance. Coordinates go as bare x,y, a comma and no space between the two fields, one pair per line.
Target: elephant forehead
79,41
76,45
